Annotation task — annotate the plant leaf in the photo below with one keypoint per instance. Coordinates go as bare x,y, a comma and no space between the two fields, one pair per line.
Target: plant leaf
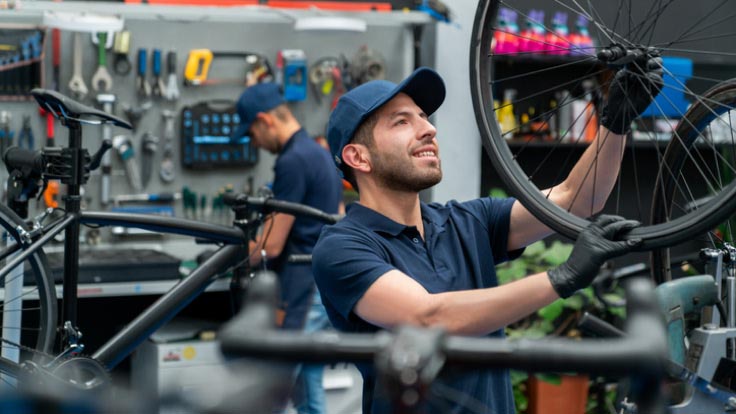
497,193
557,253
574,302
554,379
510,271
552,311
535,249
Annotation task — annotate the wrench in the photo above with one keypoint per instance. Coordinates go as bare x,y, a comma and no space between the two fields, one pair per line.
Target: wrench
76,83
149,146
101,76
166,171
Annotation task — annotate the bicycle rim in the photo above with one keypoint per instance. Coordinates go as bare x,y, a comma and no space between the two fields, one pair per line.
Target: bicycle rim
712,119
36,304
530,161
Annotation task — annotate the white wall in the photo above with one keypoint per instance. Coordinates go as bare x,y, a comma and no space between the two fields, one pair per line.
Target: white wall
458,135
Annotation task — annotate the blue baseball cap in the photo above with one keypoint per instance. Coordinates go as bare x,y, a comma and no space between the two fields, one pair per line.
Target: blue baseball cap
261,97
424,86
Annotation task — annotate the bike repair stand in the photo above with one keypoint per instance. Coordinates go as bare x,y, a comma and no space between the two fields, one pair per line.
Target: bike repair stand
21,187
709,365
248,221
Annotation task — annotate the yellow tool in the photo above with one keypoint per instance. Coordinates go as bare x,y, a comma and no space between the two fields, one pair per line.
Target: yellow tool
199,61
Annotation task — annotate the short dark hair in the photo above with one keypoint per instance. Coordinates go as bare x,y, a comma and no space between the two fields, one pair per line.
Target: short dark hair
364,136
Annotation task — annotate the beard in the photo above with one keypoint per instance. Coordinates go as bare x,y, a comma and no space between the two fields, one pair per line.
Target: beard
394,173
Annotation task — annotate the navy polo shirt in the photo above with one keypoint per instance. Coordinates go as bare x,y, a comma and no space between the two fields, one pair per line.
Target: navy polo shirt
463,242
303,173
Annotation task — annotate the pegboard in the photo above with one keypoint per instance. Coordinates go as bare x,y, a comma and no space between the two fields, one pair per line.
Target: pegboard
259,30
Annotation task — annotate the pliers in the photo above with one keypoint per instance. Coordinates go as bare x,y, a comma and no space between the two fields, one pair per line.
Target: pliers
26,133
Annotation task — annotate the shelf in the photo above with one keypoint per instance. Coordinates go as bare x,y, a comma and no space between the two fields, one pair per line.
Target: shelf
99,290
544,60
252,14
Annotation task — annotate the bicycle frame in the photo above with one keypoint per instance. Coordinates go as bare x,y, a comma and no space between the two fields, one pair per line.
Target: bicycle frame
233,249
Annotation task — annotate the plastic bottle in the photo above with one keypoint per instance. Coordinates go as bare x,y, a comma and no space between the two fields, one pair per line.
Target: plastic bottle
505,114
557,41
564,115
584,116
582,43
532,37
506,37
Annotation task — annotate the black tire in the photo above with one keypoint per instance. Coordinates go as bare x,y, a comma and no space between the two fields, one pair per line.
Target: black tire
40,319
695,126
520,182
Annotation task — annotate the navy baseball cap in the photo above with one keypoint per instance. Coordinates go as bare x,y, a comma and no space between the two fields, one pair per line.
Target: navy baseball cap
424,86
261,97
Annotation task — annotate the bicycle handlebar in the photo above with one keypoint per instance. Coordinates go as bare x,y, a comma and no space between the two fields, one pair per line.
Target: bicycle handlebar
642,351
271,205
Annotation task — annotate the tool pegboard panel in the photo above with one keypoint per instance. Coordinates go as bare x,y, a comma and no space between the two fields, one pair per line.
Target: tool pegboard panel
158,39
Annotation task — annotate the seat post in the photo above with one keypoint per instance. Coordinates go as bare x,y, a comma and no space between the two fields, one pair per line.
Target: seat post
72,204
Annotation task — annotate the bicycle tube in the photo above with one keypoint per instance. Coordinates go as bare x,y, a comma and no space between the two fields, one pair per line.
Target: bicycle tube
486,80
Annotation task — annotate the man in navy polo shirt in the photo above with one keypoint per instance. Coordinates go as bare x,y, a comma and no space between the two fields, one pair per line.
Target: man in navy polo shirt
394,260
303,174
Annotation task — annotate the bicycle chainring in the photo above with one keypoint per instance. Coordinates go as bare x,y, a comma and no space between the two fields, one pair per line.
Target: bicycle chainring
83,372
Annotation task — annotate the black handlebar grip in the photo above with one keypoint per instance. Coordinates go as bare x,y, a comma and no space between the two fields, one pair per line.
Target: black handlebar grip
270,205
30,162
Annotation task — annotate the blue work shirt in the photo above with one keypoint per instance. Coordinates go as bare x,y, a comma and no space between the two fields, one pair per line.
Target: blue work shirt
463,242
303,173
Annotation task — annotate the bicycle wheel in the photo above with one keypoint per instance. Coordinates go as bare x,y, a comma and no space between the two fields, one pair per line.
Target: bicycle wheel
29,316
707,144
557,88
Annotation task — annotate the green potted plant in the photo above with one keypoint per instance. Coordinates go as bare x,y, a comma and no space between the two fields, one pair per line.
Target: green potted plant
556,319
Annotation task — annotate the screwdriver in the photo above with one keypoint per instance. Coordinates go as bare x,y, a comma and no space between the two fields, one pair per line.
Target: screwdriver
148,197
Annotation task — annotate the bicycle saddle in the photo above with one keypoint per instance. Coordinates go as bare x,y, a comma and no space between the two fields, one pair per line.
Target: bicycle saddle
64,107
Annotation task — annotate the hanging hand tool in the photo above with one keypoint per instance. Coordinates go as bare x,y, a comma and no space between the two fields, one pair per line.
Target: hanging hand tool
56,55
6,135
49,127
157,88
142,86
172,86
134,115
147,197
124,148
149,146
107,101
166,171
26,134
76,83
199,60
120,49
189,199
101,80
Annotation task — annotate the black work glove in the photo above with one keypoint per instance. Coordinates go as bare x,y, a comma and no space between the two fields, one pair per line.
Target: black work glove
597,243
632,89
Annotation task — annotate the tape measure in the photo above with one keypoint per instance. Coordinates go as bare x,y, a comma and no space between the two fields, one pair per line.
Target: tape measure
198,64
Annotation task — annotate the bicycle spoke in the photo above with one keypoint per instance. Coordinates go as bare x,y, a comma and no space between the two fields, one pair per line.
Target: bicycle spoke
702,19
548,69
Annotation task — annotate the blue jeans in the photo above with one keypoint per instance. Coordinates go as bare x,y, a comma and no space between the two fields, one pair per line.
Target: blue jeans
309,395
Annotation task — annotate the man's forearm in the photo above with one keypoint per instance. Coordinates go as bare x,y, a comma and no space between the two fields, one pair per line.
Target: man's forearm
590,182
479,312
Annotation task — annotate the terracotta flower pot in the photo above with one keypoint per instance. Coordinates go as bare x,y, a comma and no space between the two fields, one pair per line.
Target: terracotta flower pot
569,397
